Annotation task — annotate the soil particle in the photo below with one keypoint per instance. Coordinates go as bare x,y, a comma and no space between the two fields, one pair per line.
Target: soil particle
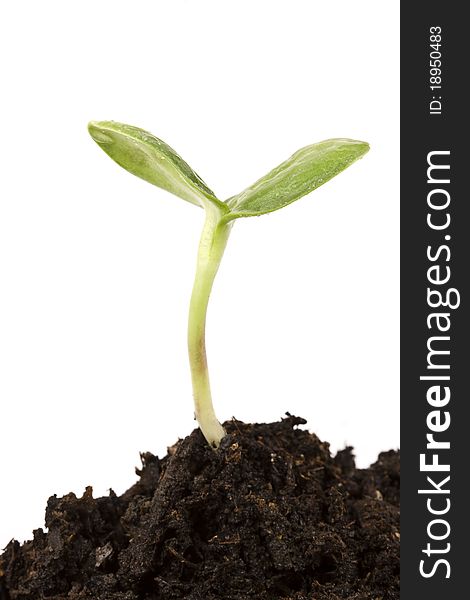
270,515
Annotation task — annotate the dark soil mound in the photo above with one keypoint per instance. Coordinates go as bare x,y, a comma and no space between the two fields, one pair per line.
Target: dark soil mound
270,515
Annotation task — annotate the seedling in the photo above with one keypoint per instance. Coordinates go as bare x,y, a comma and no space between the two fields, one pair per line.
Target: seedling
144,155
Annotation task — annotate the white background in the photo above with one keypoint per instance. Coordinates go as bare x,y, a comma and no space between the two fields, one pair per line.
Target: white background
96,266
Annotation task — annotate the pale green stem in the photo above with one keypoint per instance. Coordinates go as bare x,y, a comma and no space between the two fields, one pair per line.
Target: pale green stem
211,248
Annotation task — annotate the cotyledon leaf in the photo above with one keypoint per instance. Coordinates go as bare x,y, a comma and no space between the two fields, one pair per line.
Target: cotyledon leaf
303,172
149,158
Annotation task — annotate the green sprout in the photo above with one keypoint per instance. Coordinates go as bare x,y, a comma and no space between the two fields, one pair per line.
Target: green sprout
147,157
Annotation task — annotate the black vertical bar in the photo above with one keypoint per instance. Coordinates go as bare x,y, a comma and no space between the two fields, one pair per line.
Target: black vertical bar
434,121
